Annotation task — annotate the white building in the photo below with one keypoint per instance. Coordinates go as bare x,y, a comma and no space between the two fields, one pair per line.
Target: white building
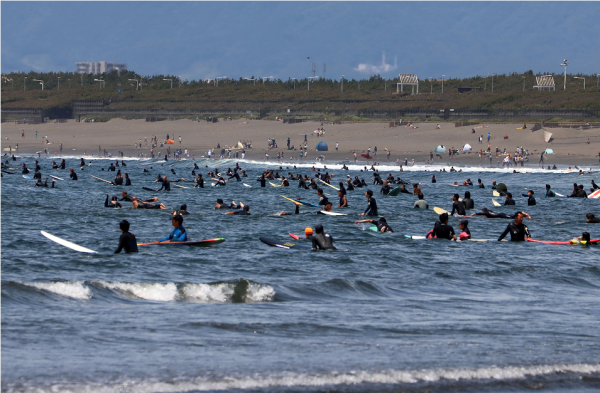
99,68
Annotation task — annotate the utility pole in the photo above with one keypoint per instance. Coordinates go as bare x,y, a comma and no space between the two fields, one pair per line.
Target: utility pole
324,69
343,84
564,64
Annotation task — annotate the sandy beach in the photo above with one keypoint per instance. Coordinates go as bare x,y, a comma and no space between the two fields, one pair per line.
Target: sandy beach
569,145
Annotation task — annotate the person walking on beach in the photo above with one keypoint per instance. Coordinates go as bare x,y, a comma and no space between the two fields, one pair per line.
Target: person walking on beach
542,158
180,139
336,145
488,136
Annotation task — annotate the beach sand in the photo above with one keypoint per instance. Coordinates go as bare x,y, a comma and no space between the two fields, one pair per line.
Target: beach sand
569,145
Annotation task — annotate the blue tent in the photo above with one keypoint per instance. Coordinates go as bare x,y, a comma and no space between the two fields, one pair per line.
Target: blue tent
322,146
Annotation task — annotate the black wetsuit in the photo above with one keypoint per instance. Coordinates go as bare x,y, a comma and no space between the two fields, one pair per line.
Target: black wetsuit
126,198
595,220
127,181
263,181
242,213
404,191
469,203
531,201
166,185
459,208
323,201
350,187
128,243
181,212
443,231
302,184
63,165
25,170
371,207
118,180
220,183
111,168
236,176
147,205
113,205
313,185
491,214
37,175
40,184
200,183
380,225
73,176
596,187
385,189
322,241
518,233
509,202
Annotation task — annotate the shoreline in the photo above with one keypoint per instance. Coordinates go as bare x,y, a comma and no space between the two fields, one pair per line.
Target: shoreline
118,135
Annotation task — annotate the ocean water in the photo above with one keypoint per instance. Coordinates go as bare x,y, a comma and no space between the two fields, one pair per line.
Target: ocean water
384,313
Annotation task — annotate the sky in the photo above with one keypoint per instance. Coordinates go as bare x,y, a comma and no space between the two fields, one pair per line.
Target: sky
198,40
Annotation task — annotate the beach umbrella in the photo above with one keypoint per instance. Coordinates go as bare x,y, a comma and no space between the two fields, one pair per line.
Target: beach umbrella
549,151
440,149
467,147
322,146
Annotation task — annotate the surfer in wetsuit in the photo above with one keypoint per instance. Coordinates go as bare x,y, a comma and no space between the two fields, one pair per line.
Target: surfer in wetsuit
371,205
182,210
468,202
463,225
262,180
322,198
125,197
297,211
114,202
127,180
127,240
118,179
166,185
381,224
491,214
443,231
235,175
244,212
179,234
37,175
518,230
509,201
139,204
72,174
343,199
385,189
593,183
25,170
63,164
549,192
592,219
530,200
457,206
321,240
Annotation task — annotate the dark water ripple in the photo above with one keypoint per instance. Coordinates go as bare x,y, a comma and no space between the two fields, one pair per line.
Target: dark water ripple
385,314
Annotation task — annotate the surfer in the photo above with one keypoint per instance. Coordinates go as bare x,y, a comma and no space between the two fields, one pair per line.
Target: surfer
244,212
111,167
235,175
179,234
297,211
37,175
371,209
549,192
321,240
443,231
138,204
463,225
72,174
125,197
262,180
127,240
322,198
327,208
457,206
385,189
468,202
25,170
491,214
118,179
530,199
593,183
127,180
219,182
403,189
480,183
166,185
518,230
343,199
114,202
421,203
182,210
63,164
509,201
381,224
592,219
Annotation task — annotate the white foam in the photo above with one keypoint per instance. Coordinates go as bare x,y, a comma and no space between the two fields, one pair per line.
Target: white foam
260,293
147,291
333,379
75,290
205,292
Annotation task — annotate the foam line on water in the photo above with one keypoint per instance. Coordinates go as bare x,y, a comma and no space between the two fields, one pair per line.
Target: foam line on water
291,380
75,290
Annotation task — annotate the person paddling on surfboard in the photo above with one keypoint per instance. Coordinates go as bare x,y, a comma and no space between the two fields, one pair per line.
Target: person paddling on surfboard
244,212
491,214
179,234
139,204
518,230
127,240
114,202
381,224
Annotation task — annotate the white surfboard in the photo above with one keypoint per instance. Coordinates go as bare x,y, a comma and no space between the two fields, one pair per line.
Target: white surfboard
495,203
68,244
247,185
331,213
56,177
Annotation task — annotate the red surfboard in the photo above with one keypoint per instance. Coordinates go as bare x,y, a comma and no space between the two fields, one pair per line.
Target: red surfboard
550,242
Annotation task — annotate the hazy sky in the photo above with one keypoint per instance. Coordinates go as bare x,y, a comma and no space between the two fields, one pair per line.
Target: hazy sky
197,40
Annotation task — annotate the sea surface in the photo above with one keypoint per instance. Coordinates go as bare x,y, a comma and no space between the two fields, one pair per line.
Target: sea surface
384,313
